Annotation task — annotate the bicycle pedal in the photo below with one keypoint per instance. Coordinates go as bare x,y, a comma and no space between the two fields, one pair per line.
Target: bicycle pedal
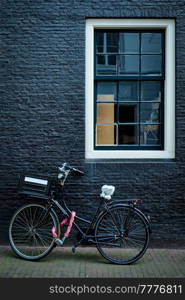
90,241
73,249
59,242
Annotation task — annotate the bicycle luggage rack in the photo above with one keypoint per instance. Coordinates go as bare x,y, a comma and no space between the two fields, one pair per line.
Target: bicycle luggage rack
37,186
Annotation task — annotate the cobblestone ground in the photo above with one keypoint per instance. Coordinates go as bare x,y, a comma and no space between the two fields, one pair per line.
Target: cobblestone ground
87,262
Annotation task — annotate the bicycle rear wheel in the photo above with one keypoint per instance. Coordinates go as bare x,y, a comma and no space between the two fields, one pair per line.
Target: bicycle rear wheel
122,235
30,231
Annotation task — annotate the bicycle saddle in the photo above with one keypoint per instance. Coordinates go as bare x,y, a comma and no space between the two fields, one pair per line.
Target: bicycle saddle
107,191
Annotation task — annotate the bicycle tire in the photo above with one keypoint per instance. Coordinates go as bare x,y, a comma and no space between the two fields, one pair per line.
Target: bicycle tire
30,231
118,244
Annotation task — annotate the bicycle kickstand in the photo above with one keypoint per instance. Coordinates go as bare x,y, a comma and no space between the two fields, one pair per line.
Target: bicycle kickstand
76,245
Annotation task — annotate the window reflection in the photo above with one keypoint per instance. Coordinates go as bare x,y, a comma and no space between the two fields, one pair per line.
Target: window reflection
129,64
150,134
150,112
112,42
129,43
99,42
151,64
128,91
106,65
106,91
151,91
151,43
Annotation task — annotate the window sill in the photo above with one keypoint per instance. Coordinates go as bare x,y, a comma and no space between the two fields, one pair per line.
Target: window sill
127,155
130,161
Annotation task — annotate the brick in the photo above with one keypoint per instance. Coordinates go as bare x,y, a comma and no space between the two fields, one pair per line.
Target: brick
42,88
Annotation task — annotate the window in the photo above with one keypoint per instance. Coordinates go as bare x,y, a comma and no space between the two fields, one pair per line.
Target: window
130,89
129,77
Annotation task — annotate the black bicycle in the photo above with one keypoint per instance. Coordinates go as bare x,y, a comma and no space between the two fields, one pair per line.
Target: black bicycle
119,230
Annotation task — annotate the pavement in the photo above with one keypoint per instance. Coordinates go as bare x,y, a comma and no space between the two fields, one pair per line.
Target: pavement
88,263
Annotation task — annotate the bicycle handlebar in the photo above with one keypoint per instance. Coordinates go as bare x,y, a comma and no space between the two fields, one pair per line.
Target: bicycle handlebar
66,166
77,170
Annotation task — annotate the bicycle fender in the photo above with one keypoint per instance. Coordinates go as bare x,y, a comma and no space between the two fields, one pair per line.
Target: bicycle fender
119,204
146,219
110,205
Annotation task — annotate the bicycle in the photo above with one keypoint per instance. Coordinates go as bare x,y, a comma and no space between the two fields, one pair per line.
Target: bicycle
118,229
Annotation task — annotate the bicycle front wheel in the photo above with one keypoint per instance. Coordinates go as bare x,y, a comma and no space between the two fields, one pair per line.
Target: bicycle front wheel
30,231
122,235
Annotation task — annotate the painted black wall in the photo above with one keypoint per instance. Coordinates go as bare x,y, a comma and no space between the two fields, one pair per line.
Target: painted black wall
42,86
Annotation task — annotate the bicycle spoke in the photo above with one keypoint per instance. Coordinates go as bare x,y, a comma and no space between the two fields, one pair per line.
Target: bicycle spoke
135,242
108,244
129,235
115,222
21,221
31,235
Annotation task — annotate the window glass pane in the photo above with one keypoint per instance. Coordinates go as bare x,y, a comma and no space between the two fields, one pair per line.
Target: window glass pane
150,112
106,65
111,60
150,134
106,91
151,64
112,42
100,60
151,91
128,113
129,43
129,64
151,43
99,42
128,91
106,135
128,105
128,134
106,113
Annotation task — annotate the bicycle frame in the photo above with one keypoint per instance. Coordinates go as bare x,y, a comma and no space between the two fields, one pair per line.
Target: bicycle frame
91,224
67,212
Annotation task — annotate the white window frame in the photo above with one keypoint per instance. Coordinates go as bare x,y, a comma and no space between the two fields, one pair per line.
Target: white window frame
169,88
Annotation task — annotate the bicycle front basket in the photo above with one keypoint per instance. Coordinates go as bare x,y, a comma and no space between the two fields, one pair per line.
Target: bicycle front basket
35,186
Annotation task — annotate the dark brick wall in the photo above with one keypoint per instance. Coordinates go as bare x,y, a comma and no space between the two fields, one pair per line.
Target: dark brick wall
42,86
